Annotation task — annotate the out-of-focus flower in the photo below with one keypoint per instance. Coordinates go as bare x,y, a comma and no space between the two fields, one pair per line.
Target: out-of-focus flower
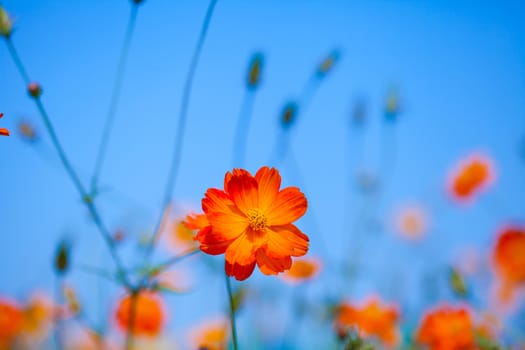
470,177
251,223
327,64
148,313
182,236
254,71
3,131
372,319
288,114
34,89
6,24
509,260
210,335
27,131
11,320
302,270
39,314
448,328
411,222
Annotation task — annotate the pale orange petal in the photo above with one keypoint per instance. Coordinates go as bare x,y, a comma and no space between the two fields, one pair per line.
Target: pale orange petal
241,251
243,190
269,182
289,205
222,214
272,266
286,240
240,272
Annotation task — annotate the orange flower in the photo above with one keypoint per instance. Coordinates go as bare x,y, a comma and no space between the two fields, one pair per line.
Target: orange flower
148,314
411,222
38,316
251,223
11,318
3,131
509,259
181,236
471,176
447,328
371,320
211,335
302,270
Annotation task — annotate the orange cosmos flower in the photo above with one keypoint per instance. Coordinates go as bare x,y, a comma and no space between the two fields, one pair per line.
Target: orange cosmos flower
509,259
148,314
471,176
3,131
412,222
211,335
250,221
447,328
302,270
11,319
371,320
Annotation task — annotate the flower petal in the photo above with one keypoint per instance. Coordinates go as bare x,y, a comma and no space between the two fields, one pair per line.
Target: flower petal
240,272
286,240
4,132
211,242
222,214
289,205
243,190
269,182
241,251
235,172
272,266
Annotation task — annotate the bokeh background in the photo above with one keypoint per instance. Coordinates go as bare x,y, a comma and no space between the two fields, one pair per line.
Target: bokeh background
456,68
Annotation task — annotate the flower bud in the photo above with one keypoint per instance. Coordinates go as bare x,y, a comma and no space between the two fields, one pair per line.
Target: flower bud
327,64
288,114
6,24
254,70
62,258
34,90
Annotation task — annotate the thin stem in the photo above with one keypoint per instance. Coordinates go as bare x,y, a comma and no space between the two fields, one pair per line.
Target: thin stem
243,127
131,323
68,167
232,312
57,334
176,259
115,96
181,127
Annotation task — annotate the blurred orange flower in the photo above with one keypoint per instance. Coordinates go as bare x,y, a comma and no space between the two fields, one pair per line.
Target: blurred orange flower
372,319
509,260
471,176
11,319
302,270
3,131
148,314
39,314
251,223
211,335
411,222
447,328
182,236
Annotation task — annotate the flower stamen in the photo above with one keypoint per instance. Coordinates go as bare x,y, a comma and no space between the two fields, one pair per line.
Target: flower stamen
257,219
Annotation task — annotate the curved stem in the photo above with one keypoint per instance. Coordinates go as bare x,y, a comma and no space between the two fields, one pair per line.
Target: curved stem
232,312
115,96
181,127
68,167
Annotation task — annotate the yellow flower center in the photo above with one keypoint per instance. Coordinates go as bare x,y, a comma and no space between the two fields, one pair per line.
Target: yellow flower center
257,219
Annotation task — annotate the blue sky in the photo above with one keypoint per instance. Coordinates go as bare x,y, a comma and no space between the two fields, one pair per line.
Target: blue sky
459,67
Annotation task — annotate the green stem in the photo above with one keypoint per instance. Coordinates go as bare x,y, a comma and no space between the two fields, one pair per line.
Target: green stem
232,313
115,96
181,127
131,323
68,167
